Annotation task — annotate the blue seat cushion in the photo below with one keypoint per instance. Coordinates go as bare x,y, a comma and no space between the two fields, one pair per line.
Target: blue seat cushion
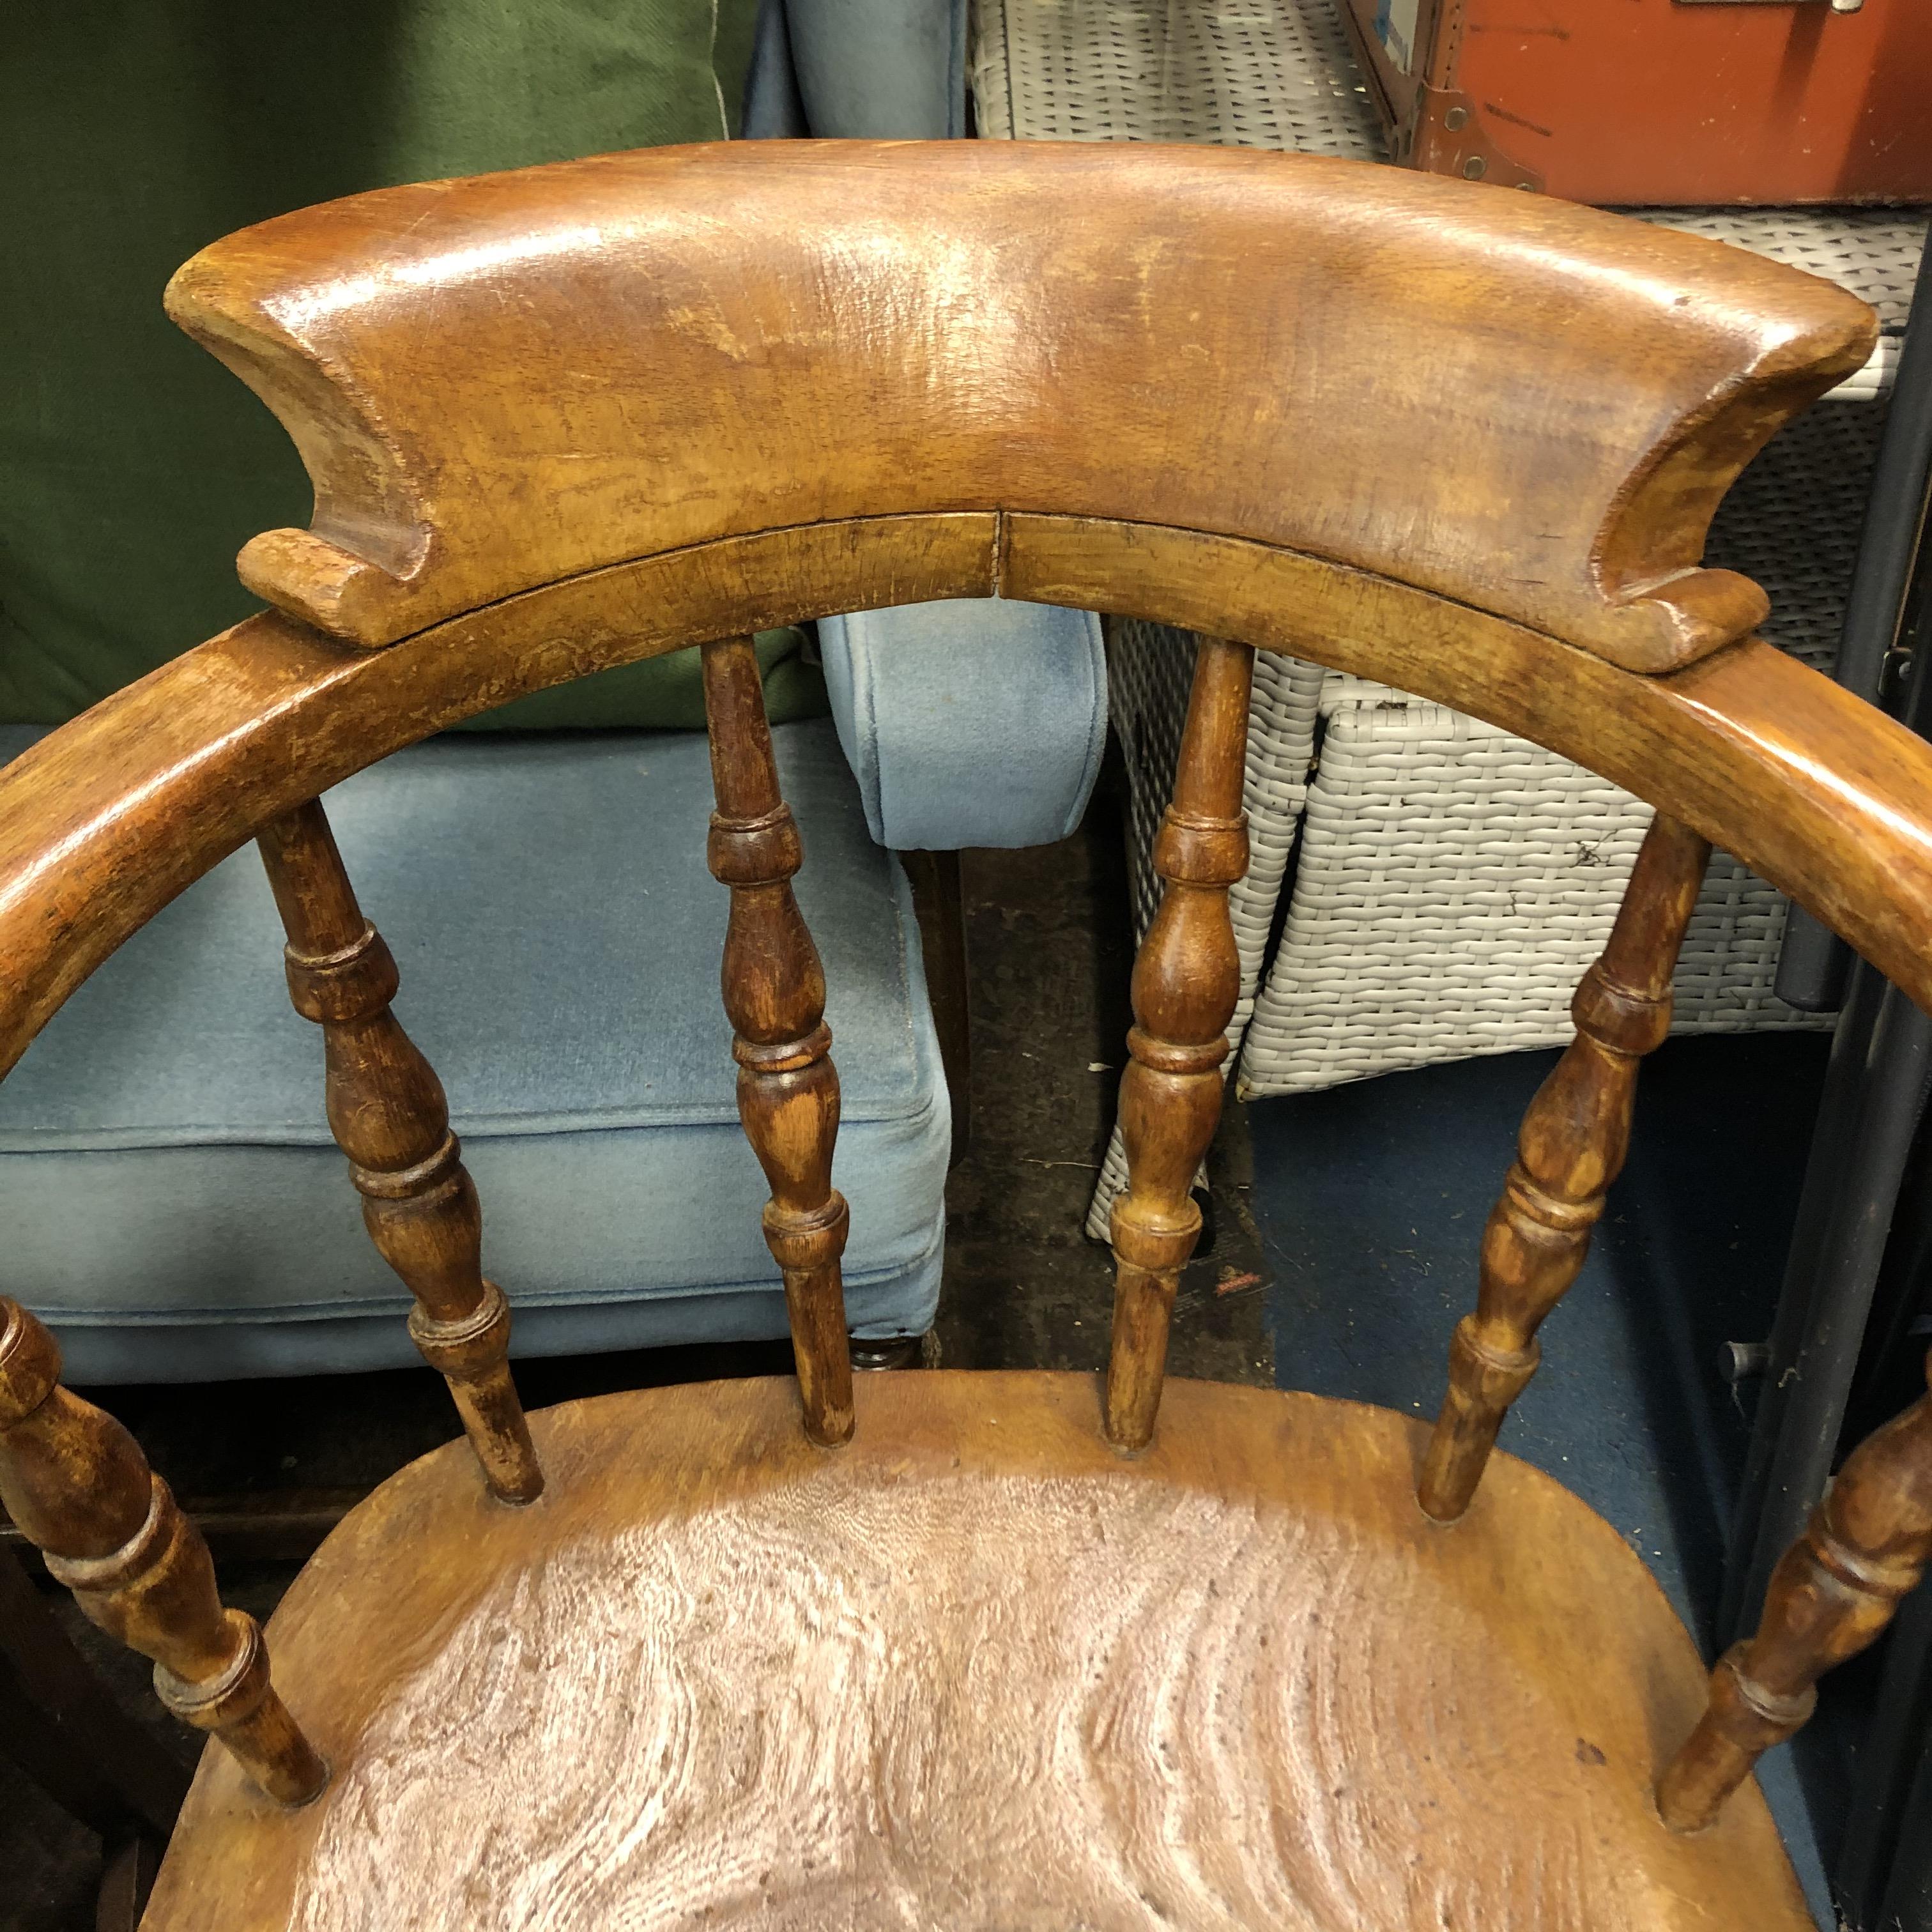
174,1205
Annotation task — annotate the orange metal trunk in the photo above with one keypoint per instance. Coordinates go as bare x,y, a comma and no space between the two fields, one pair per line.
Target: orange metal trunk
1659,102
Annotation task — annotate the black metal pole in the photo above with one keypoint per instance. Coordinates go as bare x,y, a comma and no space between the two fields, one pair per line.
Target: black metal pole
1891,1776
1908,1898
1813,966
1829,1286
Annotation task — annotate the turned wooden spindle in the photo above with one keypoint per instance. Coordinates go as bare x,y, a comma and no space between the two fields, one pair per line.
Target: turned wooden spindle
1575,1135
774,996
1186,979
75,1484
1832,1593
386,1109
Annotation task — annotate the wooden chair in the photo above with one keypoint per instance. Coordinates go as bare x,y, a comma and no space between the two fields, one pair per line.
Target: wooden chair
993,1650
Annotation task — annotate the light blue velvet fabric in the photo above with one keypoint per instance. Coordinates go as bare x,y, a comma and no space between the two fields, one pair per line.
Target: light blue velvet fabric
883,69
171,1201
970,722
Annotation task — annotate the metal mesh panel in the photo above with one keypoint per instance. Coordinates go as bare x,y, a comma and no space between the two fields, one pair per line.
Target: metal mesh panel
1250,74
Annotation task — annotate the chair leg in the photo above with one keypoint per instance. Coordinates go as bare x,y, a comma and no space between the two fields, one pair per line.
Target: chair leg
893,1352
78,1487
774,989
1832,1595
125,1882
1185,981
938,897
387,1110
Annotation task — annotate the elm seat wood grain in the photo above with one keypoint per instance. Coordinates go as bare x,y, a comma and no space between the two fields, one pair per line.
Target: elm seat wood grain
975,1670
580,415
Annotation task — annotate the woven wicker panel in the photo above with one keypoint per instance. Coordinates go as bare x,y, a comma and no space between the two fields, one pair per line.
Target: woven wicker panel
1280,73
1418,817
1454,881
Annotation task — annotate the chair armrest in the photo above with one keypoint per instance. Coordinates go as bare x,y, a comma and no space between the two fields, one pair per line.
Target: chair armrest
970,722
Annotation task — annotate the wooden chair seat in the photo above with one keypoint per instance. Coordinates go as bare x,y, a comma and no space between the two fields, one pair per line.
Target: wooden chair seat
976,1669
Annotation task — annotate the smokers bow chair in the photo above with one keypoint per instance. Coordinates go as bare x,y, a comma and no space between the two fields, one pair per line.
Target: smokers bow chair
975,1650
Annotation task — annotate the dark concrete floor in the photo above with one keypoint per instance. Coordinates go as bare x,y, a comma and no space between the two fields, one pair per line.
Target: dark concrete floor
1050,949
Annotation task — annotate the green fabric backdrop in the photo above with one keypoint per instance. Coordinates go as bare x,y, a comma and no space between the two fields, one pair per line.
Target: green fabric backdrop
133,466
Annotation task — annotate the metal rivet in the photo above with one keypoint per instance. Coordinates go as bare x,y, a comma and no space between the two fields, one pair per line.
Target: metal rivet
1475,167
1456,117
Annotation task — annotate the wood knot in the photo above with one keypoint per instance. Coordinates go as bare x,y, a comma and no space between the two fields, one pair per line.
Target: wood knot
1753,1715
1525,1201
782,1056
1190,849
754,851
1490,1376
1169,1056
1155,1240
350,985
30,1363
411,1184
1880,1579
143,1551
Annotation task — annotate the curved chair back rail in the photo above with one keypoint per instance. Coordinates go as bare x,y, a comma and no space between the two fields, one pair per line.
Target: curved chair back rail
570,417
662,349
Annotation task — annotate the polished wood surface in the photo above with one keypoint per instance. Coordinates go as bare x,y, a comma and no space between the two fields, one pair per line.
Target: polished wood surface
1575,1135
1186,979
1813,789
1173,334
78,1486
774,998
578,416
1832,1595
976,1669
387,1110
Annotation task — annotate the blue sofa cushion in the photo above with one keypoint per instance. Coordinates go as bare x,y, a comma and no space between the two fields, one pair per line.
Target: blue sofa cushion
175,1209
976,721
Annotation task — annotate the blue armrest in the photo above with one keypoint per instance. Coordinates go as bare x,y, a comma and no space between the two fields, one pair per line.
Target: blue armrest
973,722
